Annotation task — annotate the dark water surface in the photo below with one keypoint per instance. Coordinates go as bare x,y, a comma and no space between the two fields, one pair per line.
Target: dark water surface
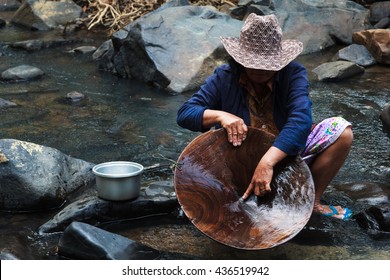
122,119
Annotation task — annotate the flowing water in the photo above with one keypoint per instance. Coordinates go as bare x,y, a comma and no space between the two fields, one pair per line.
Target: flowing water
122,119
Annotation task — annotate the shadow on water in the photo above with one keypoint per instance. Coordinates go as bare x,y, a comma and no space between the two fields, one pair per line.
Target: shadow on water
122,119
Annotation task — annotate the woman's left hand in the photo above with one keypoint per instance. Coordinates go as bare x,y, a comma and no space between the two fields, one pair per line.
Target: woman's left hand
261,181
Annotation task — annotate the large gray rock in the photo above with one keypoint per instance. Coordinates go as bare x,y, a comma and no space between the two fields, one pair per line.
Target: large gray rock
175,48
379,11
319,24
46,15
35,177
338,70
82,241
6,104
376,220
357,54
9,5
156,199
385,115
22,72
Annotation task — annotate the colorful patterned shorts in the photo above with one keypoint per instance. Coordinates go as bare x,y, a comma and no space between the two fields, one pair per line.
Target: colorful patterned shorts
322,136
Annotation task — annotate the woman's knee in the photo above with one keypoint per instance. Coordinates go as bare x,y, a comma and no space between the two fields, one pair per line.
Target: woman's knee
345,139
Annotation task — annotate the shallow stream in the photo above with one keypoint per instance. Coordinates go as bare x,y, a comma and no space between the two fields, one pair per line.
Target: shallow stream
122,119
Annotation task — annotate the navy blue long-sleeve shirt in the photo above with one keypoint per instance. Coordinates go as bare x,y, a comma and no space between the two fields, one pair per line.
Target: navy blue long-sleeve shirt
291,104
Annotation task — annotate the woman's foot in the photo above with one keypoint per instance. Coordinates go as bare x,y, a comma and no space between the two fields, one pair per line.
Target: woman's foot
333,211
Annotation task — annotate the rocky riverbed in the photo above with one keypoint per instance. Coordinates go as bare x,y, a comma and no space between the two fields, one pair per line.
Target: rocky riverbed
124,119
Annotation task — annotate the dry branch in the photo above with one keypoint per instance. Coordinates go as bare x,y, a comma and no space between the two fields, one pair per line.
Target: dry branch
115,14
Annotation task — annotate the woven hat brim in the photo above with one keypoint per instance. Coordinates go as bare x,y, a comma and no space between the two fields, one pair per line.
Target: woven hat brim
255,60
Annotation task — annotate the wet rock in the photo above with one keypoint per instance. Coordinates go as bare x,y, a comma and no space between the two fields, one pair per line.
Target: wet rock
158,46
6,104
9,5
379,10
46,15
105,47
38,177
34,45
366,193
376,220
22,72
338,70
383,23
74,96
7,256
377,41
357,54
320,24
245,7
161,44
29,45
153,200
2,22
82,241
385,115
84,49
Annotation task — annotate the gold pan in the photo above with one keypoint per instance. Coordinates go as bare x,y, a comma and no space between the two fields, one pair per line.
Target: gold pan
211,176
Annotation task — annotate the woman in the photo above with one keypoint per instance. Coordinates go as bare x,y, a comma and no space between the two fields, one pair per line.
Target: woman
263,87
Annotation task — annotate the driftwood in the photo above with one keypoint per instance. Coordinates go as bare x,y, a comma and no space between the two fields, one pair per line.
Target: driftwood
115,14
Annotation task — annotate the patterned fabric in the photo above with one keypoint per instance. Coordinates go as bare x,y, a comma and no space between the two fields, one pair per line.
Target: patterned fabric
260,105
260,45
322,136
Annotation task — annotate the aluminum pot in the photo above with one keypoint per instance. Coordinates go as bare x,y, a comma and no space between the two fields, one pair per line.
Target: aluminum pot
118,180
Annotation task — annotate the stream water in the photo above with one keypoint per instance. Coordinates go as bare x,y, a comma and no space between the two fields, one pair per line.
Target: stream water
122,119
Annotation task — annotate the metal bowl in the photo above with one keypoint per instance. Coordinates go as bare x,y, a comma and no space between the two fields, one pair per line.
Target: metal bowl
118,180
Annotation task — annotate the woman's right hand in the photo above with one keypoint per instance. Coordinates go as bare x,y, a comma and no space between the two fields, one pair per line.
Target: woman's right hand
235,127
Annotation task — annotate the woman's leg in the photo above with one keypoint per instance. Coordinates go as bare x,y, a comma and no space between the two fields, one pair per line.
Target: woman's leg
325,167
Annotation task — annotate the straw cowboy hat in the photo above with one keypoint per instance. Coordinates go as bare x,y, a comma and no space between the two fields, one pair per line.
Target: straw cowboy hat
260,45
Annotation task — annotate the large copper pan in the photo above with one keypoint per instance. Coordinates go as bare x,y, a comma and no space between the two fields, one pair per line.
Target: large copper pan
211,175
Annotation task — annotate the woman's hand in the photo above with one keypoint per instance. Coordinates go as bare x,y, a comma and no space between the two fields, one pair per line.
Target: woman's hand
262,177
235,127
261,180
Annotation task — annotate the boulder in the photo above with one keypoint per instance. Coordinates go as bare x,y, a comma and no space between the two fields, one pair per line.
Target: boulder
338,70
379,11
22,72
377,41
174,48
81,241
357,54
155,199
45,15
35,177
376,220
320,24
177,48
9,5
385,115
382,24
6,104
